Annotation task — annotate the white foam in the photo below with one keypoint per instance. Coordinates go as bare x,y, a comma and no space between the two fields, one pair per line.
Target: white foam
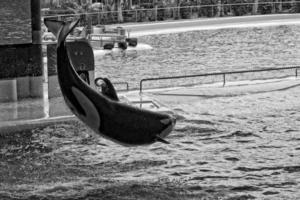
225,25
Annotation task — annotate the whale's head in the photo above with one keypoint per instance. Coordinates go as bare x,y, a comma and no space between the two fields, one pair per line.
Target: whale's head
169,126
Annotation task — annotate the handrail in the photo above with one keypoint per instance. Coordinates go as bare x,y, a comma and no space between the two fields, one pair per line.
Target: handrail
122,83
217,74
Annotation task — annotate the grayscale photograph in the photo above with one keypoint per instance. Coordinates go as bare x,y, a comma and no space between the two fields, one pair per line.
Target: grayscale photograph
149,99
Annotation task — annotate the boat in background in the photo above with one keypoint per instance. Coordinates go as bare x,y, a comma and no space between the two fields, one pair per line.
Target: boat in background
102,39
109,38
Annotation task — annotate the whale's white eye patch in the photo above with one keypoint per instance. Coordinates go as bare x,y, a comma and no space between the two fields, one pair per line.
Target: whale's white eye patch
92,118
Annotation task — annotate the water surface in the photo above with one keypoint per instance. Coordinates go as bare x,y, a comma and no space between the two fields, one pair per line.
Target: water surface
205,51
243,146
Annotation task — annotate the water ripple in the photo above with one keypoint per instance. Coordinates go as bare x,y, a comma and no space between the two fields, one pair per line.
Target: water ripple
231,147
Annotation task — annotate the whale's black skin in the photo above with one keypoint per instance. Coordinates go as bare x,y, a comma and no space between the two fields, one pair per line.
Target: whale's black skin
116,121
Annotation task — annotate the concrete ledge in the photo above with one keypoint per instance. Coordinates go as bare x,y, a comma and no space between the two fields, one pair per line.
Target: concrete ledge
53,87
8,88
36,86
23,125
23,87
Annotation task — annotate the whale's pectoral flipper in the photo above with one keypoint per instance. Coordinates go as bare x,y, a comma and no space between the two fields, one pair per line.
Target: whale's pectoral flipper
107,88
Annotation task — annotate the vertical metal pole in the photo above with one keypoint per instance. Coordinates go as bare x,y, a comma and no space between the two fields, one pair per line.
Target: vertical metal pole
224,80
89,24
174,13
136,15
155,9
296,73
141,86
98,18
35,52
36,22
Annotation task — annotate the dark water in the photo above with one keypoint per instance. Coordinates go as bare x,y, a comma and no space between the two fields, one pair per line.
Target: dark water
223,147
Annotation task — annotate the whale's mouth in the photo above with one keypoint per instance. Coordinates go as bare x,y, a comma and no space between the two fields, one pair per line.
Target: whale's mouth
160,137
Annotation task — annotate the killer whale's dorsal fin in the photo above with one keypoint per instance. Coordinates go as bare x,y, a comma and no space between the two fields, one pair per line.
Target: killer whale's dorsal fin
60,29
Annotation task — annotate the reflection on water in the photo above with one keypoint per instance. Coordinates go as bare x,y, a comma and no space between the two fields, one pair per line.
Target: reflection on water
243,146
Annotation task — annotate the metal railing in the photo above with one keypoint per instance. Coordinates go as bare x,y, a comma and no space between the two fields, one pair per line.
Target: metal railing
223,74
122,83
193,11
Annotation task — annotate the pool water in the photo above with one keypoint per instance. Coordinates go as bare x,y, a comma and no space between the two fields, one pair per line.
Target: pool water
205,51
243,146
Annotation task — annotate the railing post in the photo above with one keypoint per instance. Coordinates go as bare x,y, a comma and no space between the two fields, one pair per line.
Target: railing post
174,13
141,86
136,15
224,80
296,72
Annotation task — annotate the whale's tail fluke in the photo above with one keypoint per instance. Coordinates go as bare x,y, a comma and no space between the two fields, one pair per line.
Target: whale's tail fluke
60,29
53,26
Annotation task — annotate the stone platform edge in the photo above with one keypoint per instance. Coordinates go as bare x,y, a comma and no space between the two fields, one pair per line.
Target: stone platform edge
11,127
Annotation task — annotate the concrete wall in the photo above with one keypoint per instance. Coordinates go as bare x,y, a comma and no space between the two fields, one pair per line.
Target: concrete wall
20,49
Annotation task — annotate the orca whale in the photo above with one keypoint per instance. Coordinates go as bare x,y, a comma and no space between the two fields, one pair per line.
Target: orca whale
119,122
